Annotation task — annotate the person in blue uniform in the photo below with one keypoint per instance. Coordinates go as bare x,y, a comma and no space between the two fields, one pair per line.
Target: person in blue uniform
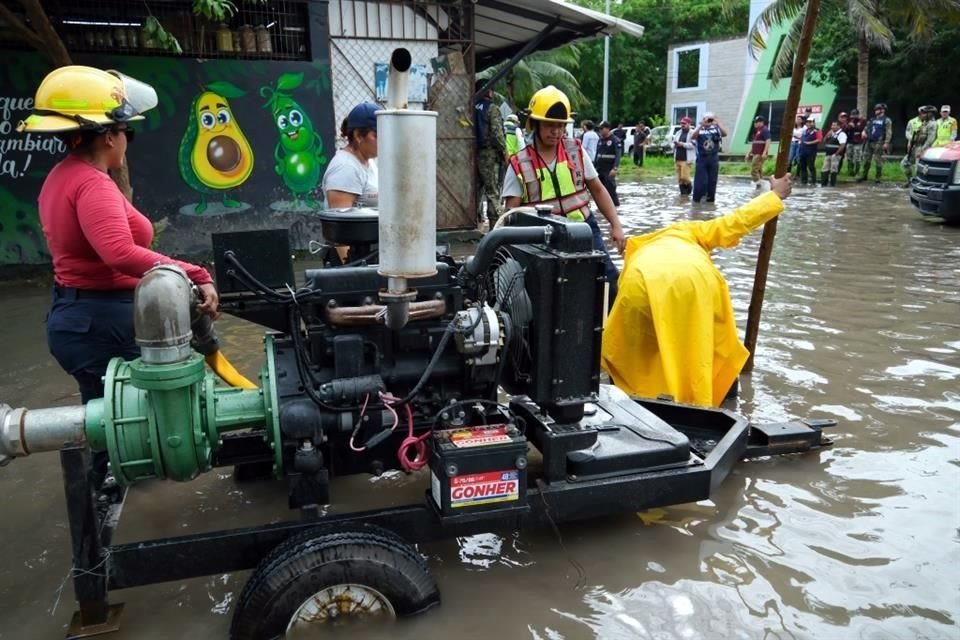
708,137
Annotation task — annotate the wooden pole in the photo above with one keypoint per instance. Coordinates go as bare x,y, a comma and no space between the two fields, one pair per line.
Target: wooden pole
786,133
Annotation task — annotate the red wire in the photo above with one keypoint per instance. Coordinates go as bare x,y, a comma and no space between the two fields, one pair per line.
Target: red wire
416,442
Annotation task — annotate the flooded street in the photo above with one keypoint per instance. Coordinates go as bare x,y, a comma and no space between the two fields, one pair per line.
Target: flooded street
861,324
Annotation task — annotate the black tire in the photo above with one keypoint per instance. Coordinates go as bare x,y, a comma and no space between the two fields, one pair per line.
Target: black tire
308,563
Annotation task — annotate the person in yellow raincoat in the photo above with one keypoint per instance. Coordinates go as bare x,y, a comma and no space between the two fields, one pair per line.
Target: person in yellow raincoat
672,330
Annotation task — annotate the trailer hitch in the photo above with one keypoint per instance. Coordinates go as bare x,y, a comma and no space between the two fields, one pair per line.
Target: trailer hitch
794,436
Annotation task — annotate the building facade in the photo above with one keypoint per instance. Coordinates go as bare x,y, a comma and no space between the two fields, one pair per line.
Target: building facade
723,77
706,76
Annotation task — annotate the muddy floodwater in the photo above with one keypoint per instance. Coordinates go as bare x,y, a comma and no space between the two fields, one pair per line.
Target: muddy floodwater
860,541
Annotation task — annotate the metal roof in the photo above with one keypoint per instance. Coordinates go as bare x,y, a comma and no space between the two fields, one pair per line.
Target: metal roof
504,27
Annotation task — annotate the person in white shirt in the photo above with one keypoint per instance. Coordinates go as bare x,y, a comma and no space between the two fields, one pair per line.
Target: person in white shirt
351,179
798,127
684,156
834,144
590,139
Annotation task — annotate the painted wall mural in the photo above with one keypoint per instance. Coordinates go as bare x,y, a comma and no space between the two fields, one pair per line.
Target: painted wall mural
232,145
214,154
298,155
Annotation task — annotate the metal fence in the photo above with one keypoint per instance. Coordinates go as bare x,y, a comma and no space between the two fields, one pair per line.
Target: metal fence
364,34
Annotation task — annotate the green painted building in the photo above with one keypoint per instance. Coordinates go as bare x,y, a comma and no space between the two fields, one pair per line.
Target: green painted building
762,97
722,77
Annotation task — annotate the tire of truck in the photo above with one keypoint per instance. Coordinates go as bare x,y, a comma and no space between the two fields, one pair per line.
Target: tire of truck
359,574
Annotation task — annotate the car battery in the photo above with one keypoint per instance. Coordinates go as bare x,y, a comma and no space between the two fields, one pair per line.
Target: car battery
478,468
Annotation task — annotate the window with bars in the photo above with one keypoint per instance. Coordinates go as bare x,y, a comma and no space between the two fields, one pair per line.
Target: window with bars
272,30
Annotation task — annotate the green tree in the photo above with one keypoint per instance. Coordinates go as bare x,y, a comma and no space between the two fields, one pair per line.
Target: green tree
638,66
537,70
870,20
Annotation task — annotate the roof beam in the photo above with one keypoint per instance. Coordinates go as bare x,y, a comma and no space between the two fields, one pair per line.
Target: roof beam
524,12
519,55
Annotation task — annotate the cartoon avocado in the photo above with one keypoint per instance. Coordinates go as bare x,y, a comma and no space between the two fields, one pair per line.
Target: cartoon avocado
214,154
298,155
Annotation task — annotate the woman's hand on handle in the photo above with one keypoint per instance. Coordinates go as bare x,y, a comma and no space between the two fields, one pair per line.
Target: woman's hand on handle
209,300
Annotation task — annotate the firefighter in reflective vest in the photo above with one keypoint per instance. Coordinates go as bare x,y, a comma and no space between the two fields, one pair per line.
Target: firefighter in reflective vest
553,169
946,127
513,134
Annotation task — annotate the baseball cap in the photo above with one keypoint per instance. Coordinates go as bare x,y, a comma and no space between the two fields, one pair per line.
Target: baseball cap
604,125
363,116
759,119
841,114
709,115
811,119
946,108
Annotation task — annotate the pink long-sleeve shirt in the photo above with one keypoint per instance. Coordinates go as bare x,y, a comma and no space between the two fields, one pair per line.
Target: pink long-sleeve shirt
98,240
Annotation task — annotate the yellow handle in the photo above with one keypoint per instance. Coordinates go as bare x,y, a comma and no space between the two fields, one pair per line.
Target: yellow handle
222,367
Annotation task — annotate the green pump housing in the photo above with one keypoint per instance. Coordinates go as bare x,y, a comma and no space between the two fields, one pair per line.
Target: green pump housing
166,420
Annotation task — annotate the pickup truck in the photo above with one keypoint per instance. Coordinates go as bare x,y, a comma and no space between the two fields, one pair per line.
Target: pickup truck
935,192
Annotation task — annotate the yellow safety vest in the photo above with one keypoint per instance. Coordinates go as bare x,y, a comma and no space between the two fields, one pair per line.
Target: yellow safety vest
540,186
912,125
946,128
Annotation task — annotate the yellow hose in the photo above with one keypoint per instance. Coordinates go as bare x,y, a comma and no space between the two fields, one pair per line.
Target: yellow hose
222,367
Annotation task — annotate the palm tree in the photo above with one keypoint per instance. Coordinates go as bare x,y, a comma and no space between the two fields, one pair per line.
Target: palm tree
537,70
870,18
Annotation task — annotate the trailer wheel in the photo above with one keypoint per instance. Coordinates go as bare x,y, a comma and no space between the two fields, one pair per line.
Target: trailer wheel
333,578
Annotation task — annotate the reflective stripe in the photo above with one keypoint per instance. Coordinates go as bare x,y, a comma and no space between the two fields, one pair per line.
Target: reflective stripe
537,182
945,128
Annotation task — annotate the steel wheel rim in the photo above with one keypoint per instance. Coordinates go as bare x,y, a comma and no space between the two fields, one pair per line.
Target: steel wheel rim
339,604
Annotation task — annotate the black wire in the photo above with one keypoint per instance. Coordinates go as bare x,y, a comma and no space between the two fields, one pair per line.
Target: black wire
460,403
248,279
360,261
300,354
303,367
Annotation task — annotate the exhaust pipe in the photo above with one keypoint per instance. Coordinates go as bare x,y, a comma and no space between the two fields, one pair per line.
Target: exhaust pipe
407,155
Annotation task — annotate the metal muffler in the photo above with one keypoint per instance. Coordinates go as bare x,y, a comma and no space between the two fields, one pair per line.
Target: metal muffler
407,155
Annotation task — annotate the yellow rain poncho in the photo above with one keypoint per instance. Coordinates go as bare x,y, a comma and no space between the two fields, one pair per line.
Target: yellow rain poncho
672,330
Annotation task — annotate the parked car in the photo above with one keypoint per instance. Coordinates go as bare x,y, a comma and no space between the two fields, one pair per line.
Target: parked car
935,192
660,142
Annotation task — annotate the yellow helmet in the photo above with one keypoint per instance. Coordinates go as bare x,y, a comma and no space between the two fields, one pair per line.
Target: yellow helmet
77,97
550,105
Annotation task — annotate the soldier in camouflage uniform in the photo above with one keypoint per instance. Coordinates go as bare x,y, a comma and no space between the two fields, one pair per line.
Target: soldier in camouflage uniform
922,137
491,152
879,133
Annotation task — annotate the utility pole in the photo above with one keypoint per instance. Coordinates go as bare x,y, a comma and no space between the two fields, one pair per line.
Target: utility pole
606,66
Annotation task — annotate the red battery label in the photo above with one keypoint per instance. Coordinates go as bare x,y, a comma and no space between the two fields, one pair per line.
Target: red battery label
484,488
479,436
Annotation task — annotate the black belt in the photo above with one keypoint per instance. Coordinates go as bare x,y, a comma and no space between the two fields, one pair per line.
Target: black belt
72,293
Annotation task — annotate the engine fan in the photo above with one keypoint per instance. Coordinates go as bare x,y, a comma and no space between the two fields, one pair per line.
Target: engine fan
505,281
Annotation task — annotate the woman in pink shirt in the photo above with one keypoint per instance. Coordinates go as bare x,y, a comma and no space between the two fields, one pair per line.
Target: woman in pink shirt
98,240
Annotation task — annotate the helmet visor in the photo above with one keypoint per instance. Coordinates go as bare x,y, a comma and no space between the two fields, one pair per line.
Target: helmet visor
138,97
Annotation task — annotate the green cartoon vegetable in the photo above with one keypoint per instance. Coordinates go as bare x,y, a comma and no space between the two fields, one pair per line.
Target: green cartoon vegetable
298,155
